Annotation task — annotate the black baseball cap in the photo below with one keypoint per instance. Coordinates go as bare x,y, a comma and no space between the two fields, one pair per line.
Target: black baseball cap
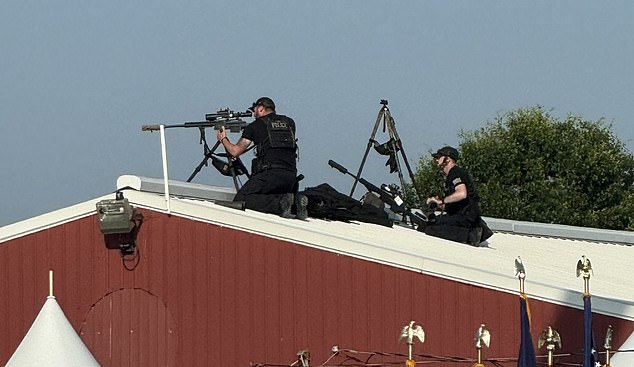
447,151
265,102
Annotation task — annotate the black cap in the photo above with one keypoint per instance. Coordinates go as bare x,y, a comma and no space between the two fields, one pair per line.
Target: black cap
447,151
265,102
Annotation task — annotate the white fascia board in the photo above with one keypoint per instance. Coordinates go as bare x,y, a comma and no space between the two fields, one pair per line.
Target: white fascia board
50,219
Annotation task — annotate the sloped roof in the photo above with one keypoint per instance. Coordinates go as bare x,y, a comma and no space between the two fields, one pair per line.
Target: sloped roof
550,261
51,341
549,252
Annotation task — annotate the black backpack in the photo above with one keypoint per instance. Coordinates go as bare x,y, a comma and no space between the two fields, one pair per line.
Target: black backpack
327,203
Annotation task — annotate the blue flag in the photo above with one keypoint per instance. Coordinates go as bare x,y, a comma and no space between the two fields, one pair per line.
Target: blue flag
590,355
526,356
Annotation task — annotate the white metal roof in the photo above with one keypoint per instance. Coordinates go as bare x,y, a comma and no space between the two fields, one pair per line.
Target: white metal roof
549,253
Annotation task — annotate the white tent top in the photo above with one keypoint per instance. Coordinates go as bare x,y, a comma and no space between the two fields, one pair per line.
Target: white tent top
624,359
52,342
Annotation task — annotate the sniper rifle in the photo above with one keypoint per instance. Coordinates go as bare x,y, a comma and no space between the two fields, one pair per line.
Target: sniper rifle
223,118
387,194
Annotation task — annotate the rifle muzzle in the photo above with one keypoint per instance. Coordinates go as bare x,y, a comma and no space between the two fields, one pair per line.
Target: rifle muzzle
150,127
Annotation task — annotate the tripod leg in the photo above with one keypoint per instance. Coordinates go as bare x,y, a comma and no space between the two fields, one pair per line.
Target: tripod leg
198,168
367,149
399,146
394,147
235,179
411,174
207,153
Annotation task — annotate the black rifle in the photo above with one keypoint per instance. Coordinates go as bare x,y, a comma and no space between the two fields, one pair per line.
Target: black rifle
222,119
392,199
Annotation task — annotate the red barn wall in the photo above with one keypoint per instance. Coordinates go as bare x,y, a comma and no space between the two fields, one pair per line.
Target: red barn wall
205,295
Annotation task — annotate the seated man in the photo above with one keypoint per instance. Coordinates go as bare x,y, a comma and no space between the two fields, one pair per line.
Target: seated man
273,172
461,221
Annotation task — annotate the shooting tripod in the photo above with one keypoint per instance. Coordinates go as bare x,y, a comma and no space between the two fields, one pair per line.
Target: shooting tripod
392,147
232,167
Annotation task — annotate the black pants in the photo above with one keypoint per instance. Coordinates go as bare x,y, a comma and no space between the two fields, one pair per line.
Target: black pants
263,190
451,227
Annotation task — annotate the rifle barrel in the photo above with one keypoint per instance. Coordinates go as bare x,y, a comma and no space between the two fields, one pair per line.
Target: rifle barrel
338,167
233,125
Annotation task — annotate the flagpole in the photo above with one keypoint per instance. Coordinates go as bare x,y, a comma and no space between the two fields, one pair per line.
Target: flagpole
482,338
584,268
526,355
590,356
549,337
408,333
608,345
520,273
50,283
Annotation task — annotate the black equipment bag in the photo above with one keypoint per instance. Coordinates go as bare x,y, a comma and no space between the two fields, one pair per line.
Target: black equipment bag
229,167
327,203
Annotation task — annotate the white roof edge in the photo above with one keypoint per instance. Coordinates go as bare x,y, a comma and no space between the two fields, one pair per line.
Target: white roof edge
207,192
560,230
176,188
87,208
50,219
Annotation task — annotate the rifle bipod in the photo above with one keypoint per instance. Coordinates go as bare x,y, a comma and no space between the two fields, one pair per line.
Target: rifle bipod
231,167
392,148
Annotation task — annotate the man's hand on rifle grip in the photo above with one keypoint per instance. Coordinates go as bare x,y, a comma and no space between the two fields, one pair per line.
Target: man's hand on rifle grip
221,134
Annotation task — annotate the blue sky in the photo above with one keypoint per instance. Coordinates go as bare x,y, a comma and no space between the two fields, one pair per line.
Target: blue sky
79,78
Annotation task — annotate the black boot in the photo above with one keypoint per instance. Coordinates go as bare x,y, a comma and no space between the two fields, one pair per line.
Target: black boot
301,204
286,203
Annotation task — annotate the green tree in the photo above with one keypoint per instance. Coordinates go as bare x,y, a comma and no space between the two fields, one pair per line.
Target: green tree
530,166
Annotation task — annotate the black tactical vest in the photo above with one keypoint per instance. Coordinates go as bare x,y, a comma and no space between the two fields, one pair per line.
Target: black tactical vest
280,135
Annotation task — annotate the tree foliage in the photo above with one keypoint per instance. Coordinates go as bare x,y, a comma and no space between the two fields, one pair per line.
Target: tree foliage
530,166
